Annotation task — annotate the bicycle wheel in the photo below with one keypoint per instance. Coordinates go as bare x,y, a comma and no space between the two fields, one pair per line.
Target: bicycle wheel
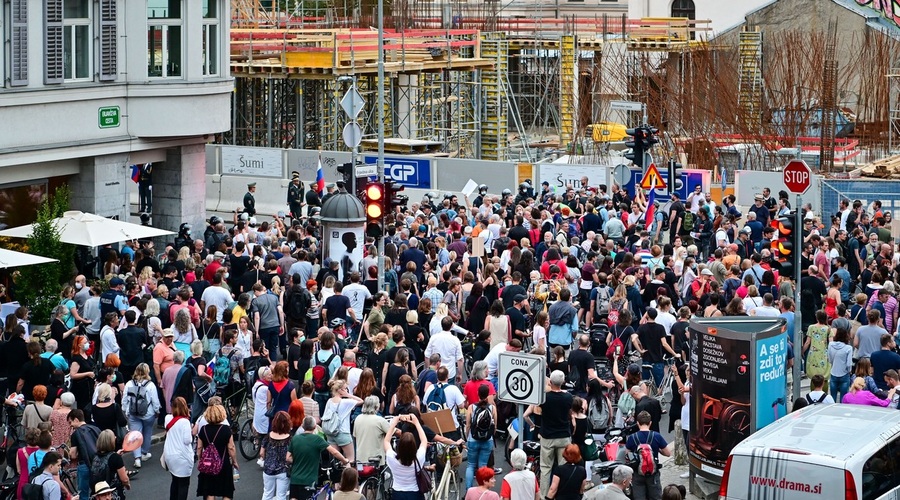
453,486
249,442
369,490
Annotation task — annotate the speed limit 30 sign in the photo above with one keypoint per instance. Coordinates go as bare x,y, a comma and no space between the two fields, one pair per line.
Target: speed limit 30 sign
521,378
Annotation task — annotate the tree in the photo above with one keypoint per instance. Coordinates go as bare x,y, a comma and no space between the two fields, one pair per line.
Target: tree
40,285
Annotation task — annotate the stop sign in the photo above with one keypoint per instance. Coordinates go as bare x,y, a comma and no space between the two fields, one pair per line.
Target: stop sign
797,176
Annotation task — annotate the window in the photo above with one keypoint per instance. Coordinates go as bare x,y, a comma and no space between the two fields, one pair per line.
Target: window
210,37
77,40
684,8
879,474
164,38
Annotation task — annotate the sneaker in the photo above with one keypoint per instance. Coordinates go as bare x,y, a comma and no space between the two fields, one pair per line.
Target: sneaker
685,475
146,456
260,462
137,463
498,470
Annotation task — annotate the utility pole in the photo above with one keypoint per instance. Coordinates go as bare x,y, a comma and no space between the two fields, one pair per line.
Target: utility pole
380,115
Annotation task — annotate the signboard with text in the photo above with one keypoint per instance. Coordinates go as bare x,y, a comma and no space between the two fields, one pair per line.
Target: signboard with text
407,171
520,378
252,162
738,385
109,117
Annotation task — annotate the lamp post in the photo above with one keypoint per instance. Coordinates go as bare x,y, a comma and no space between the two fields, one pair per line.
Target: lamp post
380,115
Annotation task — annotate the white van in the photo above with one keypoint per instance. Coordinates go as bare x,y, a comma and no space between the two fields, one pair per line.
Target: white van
822,452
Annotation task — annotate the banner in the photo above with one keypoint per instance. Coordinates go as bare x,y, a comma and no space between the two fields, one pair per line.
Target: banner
738,384
345,245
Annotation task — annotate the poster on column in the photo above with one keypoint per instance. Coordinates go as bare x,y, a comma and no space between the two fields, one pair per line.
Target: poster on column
737,385
563,175
345,245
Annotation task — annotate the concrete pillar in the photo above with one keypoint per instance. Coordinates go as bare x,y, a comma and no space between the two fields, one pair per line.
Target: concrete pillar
101,186
179,188
407,128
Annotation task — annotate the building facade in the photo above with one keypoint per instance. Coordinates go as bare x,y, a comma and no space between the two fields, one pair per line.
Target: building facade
723,15
92,87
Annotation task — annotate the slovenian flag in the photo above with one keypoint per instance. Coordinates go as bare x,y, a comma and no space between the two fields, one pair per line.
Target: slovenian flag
651,209
135,173
320,178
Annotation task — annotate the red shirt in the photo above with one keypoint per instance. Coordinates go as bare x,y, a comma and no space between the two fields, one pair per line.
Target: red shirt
545,268
470,391
210,272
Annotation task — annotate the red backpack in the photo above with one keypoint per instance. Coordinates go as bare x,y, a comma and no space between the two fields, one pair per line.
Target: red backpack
321,375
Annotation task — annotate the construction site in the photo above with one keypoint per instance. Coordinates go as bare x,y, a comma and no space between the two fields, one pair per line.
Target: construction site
467,80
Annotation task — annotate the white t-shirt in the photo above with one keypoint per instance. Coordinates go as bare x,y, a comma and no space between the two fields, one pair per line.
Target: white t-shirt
686,411
454,397
353,378
405,476
815,395
216,296
343,410
767,311
666,319
539,333
493,358
357,294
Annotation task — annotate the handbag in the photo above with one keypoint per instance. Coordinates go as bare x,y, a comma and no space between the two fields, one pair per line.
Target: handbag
205,391
162,462
423,480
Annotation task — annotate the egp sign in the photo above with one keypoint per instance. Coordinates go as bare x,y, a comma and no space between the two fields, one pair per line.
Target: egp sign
408,172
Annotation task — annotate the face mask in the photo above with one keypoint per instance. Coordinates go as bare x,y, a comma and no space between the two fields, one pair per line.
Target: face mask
85,347
78,286
226,275
114,379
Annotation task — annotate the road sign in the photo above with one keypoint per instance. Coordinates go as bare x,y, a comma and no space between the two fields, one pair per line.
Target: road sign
353,102
652,179
109,117
621,174
352,134
625,106
366,170
797,176
521,378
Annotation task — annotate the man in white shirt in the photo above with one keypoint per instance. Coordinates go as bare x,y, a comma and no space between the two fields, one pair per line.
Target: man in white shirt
357,293
818,396
768,308
108,342
665,316
215,295
695,198
449,347
354,372
453,399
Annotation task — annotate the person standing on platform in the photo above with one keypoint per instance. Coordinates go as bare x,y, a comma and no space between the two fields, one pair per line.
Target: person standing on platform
250,200
295,196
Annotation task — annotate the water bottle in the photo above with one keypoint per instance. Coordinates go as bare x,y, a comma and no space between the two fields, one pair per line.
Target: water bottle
237,476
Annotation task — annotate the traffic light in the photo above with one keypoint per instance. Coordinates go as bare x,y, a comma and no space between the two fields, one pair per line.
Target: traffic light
636,143
375,204
674,176
392,197
785,244
346,171
649,137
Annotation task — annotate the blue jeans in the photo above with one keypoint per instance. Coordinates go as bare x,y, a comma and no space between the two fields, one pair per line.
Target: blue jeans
839,386
479,452
84,479
145,426
657,373
270,337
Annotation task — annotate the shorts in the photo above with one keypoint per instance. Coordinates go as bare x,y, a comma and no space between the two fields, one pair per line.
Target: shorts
584,298
341,439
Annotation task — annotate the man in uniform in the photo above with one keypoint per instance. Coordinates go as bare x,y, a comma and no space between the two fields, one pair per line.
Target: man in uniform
295,196
145,188
249,200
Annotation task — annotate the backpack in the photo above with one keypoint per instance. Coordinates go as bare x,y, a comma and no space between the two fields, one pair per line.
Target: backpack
646,462
687,223
210,460
573,379
87,436
298,305
100,469
817,401
321,375
612,317
420,384
331,422
616,343
251,369
598,415
222,369
32,490
483,425
601,303
437,399
140,403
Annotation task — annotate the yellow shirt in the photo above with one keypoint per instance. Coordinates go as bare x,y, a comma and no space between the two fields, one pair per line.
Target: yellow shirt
237,313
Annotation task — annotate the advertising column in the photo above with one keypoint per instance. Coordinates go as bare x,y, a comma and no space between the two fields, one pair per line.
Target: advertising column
737,385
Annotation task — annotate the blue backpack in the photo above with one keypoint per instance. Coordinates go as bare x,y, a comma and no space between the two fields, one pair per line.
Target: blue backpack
222,370
437,399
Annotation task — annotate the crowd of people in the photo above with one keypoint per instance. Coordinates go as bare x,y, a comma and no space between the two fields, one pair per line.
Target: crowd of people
336,369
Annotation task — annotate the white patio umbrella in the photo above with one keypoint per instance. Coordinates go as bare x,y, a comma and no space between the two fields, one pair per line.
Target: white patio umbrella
80,228
11,258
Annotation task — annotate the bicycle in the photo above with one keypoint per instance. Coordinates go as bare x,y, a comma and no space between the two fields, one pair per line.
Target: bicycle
376,479
449,486
236,406
663,391
68,473
249,441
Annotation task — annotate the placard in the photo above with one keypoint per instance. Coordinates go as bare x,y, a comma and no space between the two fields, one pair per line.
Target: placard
441,421
252,162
